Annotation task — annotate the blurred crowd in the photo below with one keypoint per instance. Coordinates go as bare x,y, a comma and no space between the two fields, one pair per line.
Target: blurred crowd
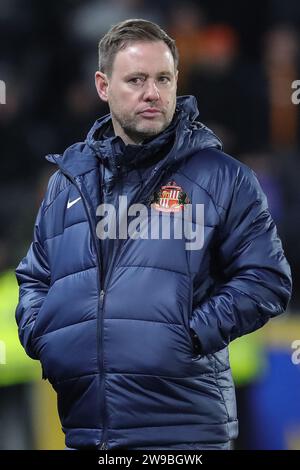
238,58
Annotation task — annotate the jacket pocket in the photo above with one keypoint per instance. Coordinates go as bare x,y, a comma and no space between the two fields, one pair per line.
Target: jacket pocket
195,345
195,351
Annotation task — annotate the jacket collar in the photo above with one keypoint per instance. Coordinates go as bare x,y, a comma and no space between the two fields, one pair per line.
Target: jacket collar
184,133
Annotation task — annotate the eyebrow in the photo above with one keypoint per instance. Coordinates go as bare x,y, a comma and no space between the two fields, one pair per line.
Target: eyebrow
142,74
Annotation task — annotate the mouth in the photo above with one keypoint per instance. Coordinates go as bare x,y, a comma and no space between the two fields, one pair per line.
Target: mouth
150,112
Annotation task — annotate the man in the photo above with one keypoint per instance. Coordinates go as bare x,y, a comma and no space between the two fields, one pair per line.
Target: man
132,329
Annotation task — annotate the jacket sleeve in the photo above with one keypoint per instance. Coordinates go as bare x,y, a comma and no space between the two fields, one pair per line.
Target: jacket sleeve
256,278
33,276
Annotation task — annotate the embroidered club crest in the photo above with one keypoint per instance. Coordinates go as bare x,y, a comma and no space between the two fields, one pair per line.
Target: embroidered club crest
170,198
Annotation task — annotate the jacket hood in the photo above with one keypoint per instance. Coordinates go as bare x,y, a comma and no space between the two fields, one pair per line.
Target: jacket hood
184,135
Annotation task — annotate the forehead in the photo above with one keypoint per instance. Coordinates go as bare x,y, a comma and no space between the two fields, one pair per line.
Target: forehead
144,56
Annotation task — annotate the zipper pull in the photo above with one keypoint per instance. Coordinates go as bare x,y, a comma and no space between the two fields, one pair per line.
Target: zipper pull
103,446
102,294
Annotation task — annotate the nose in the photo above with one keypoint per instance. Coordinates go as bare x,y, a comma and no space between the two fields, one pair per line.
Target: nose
151,91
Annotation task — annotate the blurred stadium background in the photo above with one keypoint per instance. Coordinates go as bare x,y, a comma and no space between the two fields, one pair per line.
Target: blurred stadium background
239,59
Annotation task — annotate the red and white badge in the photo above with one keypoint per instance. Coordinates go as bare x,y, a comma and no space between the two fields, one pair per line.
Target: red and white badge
170,198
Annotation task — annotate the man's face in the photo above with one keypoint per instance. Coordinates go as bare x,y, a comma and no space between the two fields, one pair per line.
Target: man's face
141,91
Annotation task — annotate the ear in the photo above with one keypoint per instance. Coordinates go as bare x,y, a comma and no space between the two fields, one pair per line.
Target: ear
101,82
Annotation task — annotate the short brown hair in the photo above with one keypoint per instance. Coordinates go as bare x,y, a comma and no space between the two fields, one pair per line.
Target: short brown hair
125,32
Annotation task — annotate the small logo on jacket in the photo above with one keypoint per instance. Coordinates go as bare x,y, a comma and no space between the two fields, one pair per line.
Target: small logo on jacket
71,203
170,198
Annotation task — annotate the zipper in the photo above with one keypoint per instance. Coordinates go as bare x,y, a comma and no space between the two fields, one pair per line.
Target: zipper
101,316
102,386
77,183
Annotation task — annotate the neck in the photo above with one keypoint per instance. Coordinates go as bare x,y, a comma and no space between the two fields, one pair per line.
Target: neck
128,140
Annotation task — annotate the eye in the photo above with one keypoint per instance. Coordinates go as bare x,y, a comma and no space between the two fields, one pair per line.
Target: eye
136,80
164,79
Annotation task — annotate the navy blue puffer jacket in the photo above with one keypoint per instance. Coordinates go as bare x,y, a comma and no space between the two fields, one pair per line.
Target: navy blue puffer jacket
112,321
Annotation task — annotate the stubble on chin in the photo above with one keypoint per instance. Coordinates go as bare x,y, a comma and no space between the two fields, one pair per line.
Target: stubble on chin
139,130
137,127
